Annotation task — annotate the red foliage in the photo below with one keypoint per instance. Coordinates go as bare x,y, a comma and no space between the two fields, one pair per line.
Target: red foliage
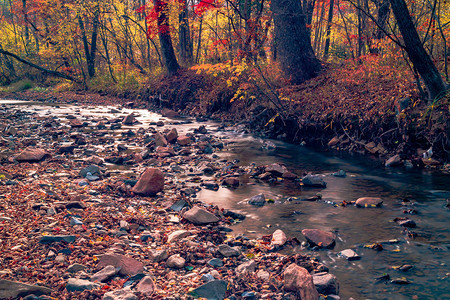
203,6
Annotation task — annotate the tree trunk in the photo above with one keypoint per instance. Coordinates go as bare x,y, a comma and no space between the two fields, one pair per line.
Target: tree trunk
416,52
295,53
330,21
91,53
170,60
186,52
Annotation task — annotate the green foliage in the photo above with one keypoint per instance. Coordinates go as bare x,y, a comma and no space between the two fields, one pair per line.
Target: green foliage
21,85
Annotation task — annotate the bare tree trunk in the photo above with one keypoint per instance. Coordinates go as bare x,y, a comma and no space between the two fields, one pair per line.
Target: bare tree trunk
186,52
330,21
416,52
170,60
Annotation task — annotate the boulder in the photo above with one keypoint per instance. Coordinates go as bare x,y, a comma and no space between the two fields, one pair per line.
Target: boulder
172,136
150,183
79,285
369,202
298,280
326,283
146,286
314,181
175,261
258,200
159,255
320,238
200,216
13,289
128,265
168,113
278,238
32,155
183,140
120,295
74,268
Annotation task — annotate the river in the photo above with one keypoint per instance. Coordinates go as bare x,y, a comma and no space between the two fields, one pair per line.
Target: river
401,189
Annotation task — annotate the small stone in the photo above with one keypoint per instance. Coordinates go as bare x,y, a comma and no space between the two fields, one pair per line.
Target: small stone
340,173
129,120
369,202
405,222
32,155
326,283
104,274
278,238
48,239
60,258
257,200
176,261
159,255
146,286
349,254
264,275
228,251
393,161
120,295
276,169
246,268
160,140
334,141
75,221
314,181
74,285
177,235
183,140
231,181
74,268
215,289
215,262
320,238
172,136
128,265
93,170
200,216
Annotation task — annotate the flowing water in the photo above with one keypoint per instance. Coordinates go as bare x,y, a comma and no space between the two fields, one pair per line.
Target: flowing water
355,227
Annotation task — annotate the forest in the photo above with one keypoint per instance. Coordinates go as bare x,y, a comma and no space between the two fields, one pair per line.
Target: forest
224,149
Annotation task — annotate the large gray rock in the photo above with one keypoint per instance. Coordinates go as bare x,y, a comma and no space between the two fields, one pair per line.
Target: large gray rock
14,289
150,183
79,285
326,283
212,290
32,155
297,279
120,295
128,265
320,238
314,181
200,216
369,202
146,286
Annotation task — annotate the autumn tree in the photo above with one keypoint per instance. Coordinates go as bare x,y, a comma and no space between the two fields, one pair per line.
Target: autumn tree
295,52
416,52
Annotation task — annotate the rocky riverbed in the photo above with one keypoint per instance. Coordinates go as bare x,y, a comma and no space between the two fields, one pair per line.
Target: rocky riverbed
96,207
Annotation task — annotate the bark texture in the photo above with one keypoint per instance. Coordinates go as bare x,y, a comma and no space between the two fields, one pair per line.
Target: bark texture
295,53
